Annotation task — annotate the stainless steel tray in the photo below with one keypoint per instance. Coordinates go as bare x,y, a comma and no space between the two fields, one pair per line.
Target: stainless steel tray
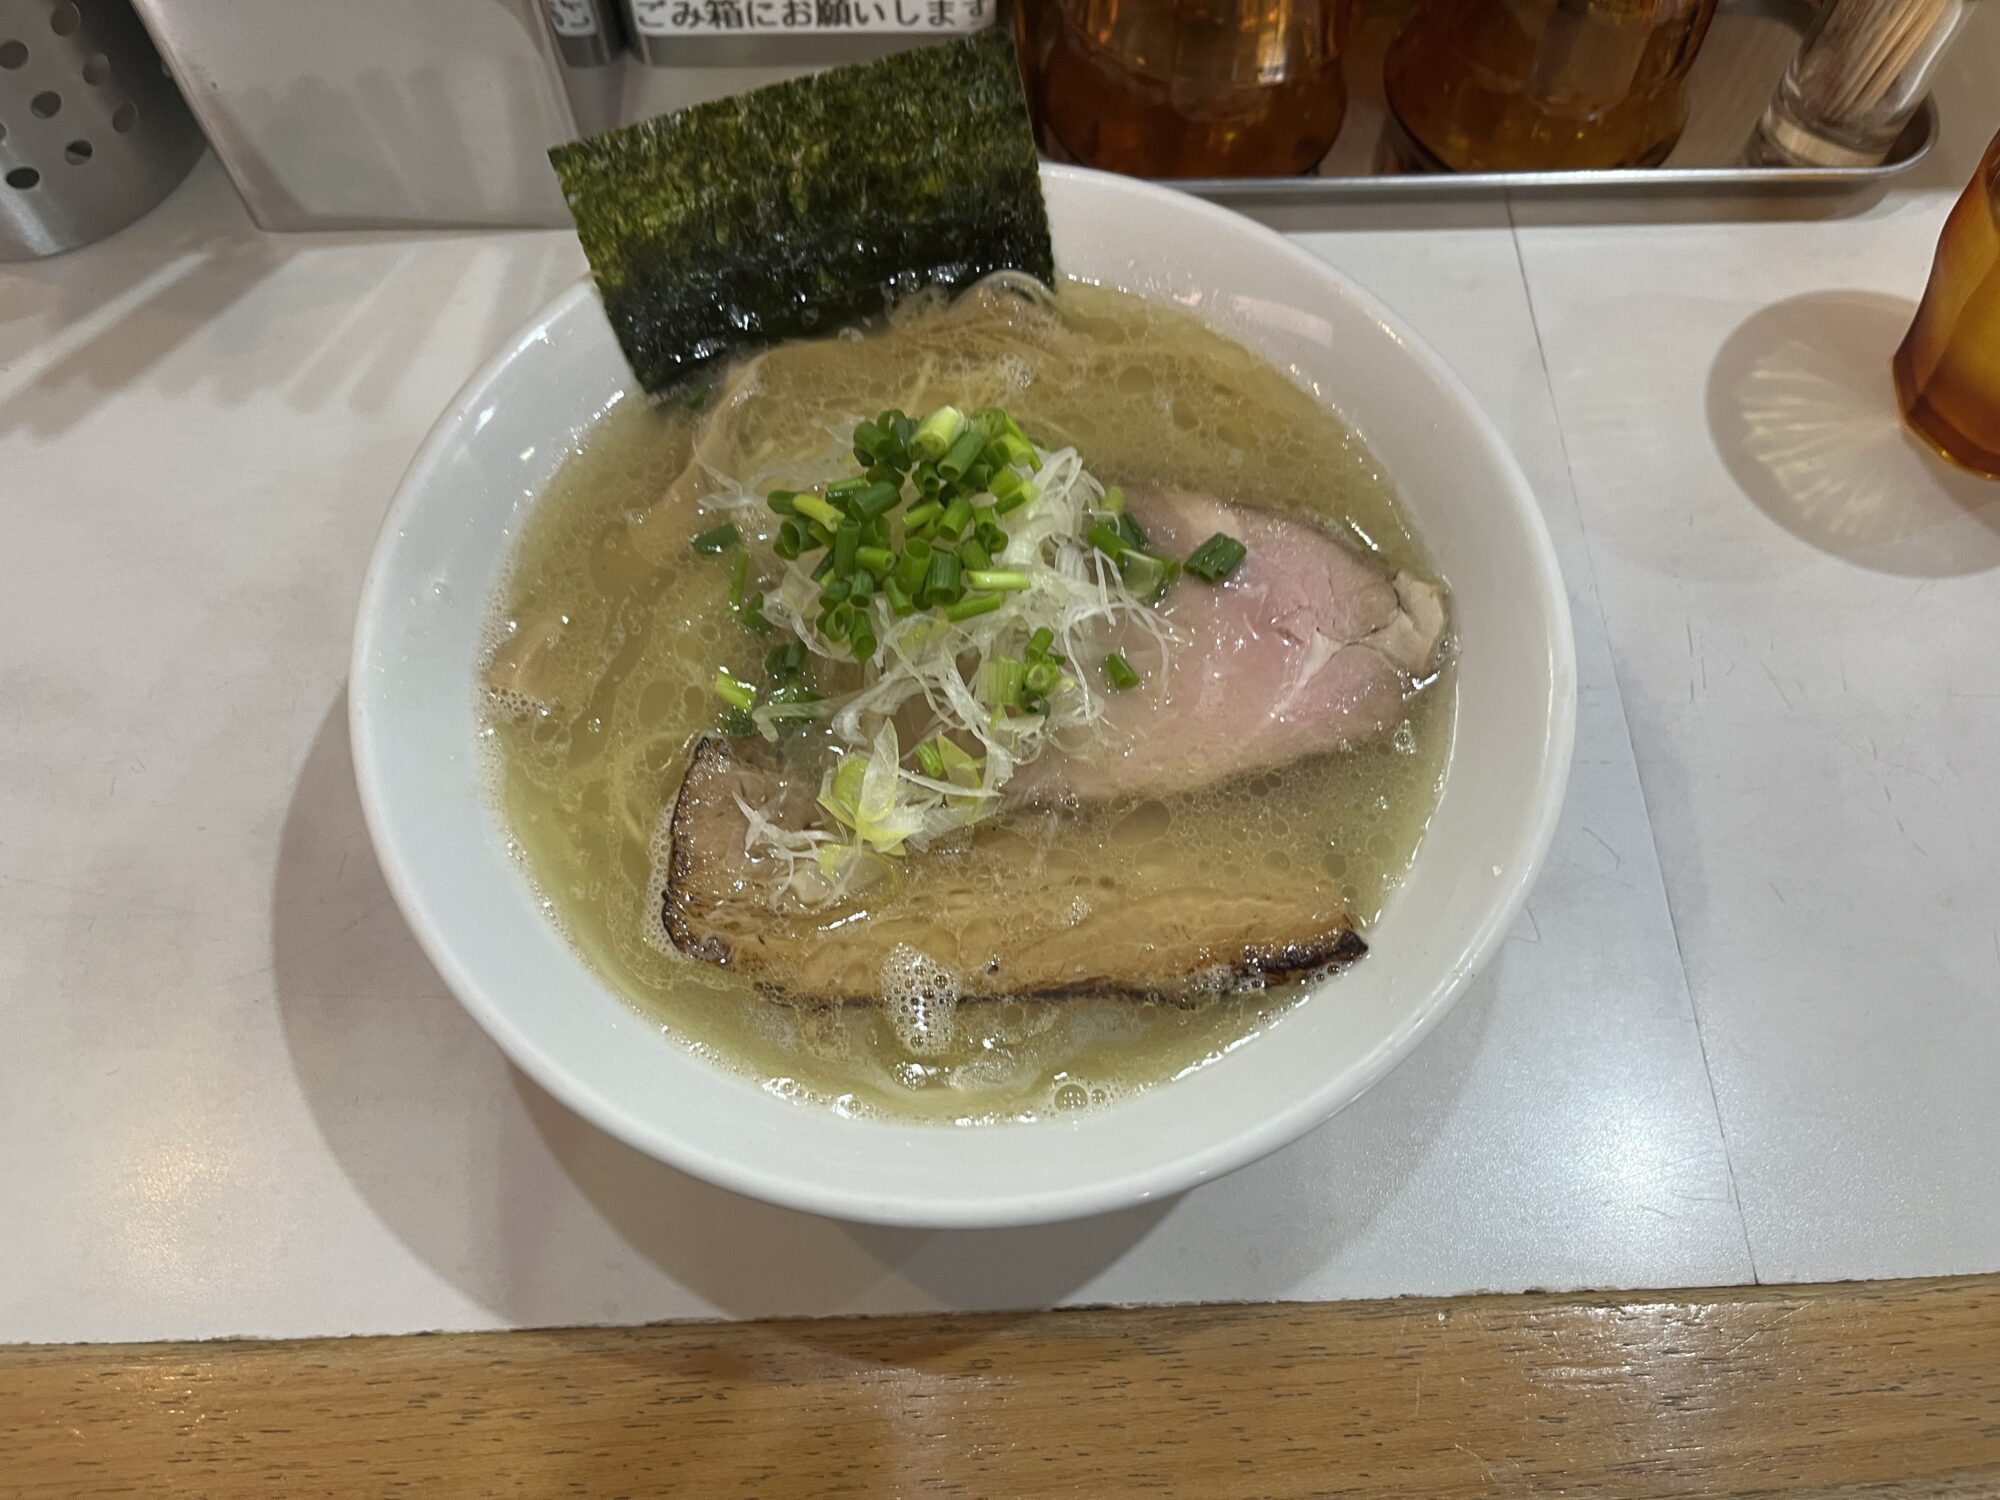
1741,62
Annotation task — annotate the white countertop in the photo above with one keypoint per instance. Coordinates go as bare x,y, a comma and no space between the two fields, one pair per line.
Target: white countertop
1749,1027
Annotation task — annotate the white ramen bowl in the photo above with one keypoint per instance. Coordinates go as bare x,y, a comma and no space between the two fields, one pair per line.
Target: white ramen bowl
443,550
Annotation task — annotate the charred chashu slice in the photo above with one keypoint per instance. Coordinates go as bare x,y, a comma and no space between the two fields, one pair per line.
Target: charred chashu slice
1118,919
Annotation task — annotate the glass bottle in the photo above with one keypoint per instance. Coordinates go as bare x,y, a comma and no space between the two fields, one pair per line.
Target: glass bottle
1546,85
1948,368
1192,88
1860,74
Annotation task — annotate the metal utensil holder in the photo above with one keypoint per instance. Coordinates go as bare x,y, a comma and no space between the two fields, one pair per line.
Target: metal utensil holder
93,131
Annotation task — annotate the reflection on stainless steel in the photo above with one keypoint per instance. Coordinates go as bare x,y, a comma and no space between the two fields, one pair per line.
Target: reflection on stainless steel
92,132
1733,79
375,113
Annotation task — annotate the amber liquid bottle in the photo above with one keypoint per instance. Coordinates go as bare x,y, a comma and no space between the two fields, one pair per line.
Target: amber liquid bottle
1948,369
1192,88
1546,85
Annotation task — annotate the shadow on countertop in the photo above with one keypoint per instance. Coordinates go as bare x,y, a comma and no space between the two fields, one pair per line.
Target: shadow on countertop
1803,413
195,298
534,1214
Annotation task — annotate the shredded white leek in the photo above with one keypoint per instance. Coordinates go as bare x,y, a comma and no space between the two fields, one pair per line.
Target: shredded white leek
878,805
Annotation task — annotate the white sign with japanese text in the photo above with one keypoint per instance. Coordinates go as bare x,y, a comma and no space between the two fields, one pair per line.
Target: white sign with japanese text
777,17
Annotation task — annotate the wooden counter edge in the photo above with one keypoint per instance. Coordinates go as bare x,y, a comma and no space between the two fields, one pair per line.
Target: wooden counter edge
1876,1389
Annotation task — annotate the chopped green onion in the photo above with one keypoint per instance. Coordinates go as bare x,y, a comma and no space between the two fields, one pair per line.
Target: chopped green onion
1006,581
818,509
992,538
941,581
972,555
1018,452
861,585
754,617
1134,534
1041,678
823,569
737,724
835,592
877,499
877,560
1001,681
964,453
972,606
1039,643
930,760
740,695
861,640
846,543
1216,558
1114,501
874,443
781,502
956,517
899,598
914,565
790,540
844,489
718,540
1119,672
959,766
936,433
1105,538
787,660
1014,499
1147,574
922,514
998,420
837,623
739,581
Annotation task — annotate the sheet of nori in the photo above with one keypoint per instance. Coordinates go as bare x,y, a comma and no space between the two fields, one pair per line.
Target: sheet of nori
795,208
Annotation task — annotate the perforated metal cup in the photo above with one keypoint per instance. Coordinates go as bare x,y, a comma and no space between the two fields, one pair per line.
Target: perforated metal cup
92,129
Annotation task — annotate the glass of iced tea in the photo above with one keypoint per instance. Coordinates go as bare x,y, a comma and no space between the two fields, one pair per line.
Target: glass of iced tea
1948,369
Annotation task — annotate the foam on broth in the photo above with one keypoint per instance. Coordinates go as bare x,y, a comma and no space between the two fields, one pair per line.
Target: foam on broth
628,636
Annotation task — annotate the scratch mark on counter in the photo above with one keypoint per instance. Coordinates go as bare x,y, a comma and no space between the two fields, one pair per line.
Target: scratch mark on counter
1778,686
1778,893
1617,859
1491,1477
